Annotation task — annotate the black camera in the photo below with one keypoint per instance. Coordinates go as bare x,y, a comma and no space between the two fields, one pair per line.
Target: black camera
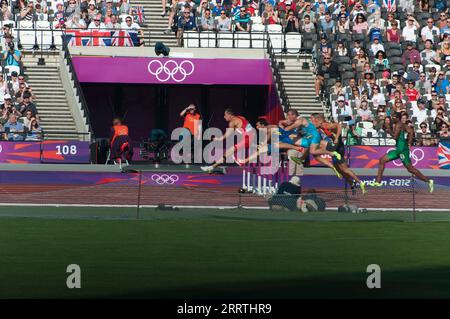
11,46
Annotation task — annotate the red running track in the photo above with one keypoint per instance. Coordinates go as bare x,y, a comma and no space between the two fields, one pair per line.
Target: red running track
120,194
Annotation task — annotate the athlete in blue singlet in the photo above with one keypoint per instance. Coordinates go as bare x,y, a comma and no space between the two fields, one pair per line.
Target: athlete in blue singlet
311,140
286,140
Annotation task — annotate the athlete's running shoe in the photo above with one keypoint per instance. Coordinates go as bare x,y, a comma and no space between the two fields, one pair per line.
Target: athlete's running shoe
296,160
363,187
431,185
376,184
207,169
337,155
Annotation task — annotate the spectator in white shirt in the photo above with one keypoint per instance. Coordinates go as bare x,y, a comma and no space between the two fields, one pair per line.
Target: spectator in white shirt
133,26
420,112
14,81
376,46
96,24
223,22
409,31
3,88
364,111
113,24
76,23
428,55
429,31
377,97
340,108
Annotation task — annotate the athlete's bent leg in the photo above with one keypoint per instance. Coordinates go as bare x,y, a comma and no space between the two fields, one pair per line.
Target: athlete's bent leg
419,174
329,164
345,170
286,146
416,172
381,166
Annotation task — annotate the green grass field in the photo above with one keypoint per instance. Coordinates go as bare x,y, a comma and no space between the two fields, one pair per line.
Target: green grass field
221,253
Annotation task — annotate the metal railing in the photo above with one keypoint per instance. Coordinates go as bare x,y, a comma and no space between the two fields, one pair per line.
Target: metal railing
42,135
384,139
277,77
79,90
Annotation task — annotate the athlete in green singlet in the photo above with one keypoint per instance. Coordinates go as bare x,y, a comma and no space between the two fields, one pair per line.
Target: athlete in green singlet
403,135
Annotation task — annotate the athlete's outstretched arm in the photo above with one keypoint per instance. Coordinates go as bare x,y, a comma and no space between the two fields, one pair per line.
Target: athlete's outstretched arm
231,124
397,130
338,132
294,125
410,136
283,123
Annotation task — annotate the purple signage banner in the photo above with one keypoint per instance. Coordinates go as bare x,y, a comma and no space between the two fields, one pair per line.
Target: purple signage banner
65,152
44,152
368,156
173,70
232,179
20,152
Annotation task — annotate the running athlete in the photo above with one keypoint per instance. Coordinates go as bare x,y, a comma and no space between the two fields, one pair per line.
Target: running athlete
403,135
311,141
286,140
332,135
242,126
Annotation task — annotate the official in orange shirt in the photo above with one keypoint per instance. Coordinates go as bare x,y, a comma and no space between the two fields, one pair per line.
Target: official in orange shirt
191,118
120,142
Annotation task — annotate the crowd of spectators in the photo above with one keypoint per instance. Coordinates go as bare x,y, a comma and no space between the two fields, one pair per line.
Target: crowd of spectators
233,15
102,15
374,62
19,116
374,58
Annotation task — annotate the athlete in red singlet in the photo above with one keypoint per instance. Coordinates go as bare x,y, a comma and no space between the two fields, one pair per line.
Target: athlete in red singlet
240,125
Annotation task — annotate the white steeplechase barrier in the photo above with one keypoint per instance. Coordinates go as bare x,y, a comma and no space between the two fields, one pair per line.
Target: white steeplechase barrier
258,181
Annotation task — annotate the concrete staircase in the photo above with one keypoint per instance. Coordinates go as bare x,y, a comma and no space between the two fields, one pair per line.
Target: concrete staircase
299,86
155,24
51,99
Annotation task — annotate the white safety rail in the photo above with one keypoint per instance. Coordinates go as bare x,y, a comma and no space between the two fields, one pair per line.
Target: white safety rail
291,42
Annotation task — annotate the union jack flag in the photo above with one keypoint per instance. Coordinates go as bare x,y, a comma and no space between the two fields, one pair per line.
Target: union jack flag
138,13
100,38
444,154
122,39
97,38
389,5
77,38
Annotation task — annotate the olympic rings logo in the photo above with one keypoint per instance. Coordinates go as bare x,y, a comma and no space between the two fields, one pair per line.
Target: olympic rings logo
416,156
171,70
165,179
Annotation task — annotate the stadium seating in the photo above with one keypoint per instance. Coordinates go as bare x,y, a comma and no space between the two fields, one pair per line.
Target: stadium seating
45,31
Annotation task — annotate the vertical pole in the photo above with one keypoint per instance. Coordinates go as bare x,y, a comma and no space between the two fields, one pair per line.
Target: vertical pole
243,178
413,198
254,182
248,181
139,195
345,181
258,191
264,185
